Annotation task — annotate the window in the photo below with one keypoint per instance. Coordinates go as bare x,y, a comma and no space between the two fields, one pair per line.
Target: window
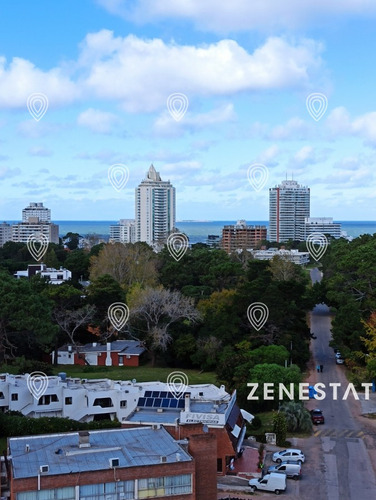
14,397
108,491
68,400
56,494
103,402
48,399
164,486
60,277
1,395
219,464
123,404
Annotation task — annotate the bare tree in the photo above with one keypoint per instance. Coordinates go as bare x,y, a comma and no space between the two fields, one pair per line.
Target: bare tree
71,321
159,309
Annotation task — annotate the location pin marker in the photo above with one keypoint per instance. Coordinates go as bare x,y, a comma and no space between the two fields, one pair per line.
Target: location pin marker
37,383
317,244
37,244
118,314
317,104
37,105
177,384
257,175
118,175
177,244
177,105
258,314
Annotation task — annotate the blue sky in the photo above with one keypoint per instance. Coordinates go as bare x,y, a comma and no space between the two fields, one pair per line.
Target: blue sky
107,68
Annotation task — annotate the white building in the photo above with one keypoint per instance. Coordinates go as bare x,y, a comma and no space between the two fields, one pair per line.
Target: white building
155,209
124,231
36,210
54,276
294,256
324,225
128,401
289,206
22,230
5,233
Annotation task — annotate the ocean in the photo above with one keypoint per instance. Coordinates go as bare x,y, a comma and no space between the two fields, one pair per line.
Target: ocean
198,231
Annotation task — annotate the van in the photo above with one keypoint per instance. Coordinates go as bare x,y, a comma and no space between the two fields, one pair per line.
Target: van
270,482
293,470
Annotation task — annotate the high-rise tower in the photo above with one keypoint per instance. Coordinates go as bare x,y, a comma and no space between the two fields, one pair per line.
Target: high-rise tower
155,209
289,205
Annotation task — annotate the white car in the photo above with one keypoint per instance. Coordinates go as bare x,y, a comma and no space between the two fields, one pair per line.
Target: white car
291,454
338,355
270,482
340,361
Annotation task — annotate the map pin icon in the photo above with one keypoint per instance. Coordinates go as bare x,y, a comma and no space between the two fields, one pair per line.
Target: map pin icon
177,384
258,175
37,105
177,105
37,383
118,175
118,314
317,104
317,244
258,314
177,244
37,244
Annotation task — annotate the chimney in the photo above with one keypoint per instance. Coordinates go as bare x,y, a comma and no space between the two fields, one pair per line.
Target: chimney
187,400
83,439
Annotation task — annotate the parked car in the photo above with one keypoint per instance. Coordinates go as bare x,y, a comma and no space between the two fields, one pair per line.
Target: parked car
289,454
270,482
317,417
340,361
291,469
338,355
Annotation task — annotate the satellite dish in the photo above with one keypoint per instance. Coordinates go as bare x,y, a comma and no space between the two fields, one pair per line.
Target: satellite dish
134,381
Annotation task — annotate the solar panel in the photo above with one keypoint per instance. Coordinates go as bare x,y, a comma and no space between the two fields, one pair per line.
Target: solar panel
163,394
149,401
157,402
173,403
165,402
181,403
170,395
155,394
141,402
147,394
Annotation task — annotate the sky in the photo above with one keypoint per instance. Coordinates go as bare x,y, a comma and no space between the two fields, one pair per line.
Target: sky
106,70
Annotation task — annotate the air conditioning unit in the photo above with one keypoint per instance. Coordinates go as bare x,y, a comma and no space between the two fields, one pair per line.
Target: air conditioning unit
44,468
114,462
159,410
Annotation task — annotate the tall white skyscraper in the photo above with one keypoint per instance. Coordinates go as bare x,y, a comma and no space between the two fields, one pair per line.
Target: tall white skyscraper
155,209
289,205
36,210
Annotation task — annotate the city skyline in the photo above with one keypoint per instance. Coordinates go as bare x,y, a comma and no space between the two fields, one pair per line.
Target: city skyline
246,75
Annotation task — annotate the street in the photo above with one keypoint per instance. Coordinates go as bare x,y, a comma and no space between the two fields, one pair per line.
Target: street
341,453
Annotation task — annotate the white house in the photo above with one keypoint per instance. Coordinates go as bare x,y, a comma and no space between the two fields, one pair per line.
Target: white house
54,276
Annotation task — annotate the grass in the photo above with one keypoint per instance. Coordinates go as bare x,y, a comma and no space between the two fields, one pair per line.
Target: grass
145,373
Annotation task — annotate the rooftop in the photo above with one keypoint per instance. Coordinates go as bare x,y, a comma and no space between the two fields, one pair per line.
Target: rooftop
61,452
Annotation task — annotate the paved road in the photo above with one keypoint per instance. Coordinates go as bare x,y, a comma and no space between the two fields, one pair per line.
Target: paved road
338,465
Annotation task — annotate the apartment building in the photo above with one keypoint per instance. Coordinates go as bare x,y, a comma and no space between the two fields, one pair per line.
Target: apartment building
240,236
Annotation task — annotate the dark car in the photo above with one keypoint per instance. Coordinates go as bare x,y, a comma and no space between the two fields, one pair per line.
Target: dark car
317,417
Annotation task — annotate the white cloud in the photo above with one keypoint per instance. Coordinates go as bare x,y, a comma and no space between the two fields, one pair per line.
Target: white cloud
165,125
97,121
140,74
340,123
21,78
40,151
238,15
7,173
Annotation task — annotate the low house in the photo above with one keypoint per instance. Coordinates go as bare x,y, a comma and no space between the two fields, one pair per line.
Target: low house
117,353
54,276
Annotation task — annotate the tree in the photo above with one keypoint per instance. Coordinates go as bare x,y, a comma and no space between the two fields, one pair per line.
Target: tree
77,262
283,269
71,240
25,324
298,418
158,309
71,320
280,428
127,264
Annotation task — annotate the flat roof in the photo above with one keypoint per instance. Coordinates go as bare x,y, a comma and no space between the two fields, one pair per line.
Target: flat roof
133,447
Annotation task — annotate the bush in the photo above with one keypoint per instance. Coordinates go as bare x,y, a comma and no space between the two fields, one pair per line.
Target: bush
280,428
256,423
